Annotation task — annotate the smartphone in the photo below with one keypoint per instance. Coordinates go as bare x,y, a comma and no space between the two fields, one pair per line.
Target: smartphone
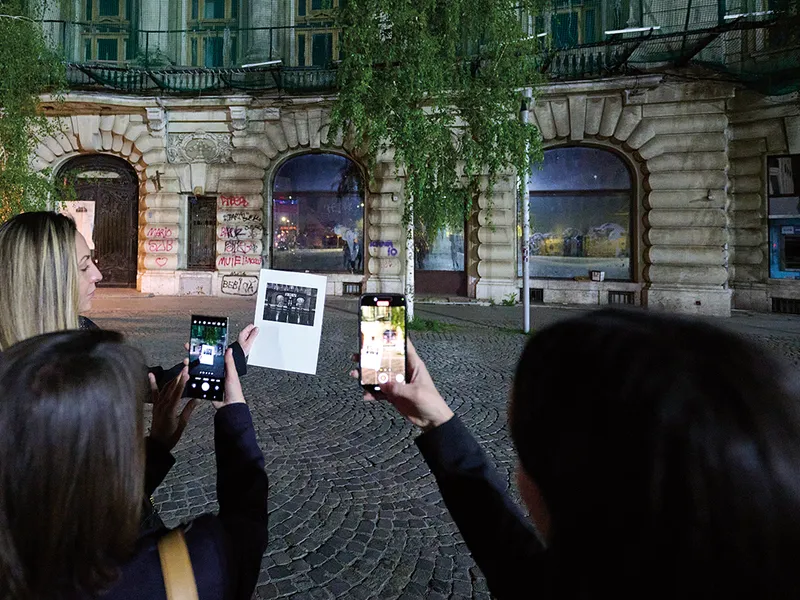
382,327
207,343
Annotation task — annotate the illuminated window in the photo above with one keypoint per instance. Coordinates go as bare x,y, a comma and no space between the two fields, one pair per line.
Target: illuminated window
318,215
580,212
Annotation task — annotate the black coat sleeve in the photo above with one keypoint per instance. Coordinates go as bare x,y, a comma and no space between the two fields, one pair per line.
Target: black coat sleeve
502,541
242,490
158,462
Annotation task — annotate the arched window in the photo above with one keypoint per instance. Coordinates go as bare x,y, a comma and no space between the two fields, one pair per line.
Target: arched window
580,206
318,215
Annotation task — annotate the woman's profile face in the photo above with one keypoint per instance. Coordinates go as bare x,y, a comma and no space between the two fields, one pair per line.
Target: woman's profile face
88,274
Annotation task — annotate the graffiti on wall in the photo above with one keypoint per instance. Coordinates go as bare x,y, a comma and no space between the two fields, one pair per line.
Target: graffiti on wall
230,232
160,232
390,249
233,202
227,262
239,284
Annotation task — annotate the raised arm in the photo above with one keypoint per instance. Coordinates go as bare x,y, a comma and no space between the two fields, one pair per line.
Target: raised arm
502,541
242,486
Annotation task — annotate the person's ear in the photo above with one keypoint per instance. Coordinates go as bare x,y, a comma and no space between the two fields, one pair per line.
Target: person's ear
534,501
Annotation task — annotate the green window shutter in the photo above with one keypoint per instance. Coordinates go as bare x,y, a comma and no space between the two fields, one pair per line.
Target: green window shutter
321,49
301,50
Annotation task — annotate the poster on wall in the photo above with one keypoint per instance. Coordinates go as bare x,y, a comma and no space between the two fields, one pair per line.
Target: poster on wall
783,195
289,310
82,212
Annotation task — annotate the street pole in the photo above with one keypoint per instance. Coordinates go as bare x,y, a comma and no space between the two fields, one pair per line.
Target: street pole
526,222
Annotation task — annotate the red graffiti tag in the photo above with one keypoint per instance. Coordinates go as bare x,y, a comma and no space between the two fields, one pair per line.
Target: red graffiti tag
160,232
238,261
234,201
161,261
160,246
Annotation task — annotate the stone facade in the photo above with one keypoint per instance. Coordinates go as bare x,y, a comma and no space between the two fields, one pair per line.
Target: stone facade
697,151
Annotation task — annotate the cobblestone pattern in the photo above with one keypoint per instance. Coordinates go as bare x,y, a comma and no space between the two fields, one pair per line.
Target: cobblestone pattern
354,511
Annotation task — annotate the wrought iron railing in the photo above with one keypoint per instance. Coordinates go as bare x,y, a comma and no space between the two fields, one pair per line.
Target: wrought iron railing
760,48
299,58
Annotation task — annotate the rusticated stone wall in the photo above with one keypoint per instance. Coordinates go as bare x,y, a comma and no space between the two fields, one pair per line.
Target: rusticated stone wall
230,149
675,137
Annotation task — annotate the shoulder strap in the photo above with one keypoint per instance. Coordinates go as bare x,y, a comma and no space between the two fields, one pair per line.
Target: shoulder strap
177,567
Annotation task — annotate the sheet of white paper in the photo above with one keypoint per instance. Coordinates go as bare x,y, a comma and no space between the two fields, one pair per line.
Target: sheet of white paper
289,313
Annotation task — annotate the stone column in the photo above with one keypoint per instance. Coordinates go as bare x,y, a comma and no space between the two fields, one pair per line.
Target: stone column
497,242
386,236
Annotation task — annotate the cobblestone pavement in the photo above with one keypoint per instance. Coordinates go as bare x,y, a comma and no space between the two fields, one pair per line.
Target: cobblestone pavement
354,511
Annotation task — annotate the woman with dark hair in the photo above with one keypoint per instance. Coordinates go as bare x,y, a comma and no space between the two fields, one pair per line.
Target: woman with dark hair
658,457
72,474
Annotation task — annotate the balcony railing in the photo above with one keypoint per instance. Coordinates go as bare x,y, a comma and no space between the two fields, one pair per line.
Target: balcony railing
761,49
297,59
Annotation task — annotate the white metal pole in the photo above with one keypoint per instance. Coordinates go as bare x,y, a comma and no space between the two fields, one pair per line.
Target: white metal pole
410,263
526,224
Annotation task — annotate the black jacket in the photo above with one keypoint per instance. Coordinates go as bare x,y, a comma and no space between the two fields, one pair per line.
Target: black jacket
501,539
225,549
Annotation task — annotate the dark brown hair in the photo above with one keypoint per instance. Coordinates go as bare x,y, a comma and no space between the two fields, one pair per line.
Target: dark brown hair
667,451
72,467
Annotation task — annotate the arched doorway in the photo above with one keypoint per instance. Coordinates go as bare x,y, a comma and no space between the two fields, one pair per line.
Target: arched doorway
106,208
581,209
318,215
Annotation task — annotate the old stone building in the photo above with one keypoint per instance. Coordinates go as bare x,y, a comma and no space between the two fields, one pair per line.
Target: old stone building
197,134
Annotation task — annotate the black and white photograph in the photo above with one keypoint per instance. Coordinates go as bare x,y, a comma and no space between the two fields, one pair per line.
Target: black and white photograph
289,312
290,304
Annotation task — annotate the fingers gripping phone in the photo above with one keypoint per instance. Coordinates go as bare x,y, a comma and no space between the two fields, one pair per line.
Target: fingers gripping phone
382,326
207,343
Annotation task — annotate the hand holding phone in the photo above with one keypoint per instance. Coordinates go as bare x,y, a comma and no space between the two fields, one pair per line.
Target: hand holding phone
233,387
382,331
207,344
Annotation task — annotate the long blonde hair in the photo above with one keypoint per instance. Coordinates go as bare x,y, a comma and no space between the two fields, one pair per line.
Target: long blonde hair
38,276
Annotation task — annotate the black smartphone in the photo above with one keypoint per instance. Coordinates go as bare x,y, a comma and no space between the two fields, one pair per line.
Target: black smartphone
207,343
382,327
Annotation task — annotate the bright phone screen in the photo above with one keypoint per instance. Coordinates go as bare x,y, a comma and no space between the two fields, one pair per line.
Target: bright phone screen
383,344
209,337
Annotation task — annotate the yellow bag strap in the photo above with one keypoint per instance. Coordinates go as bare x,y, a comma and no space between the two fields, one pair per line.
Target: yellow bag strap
177,567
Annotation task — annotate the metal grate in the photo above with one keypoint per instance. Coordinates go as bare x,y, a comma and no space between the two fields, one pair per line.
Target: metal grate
616,297
351,289
202,248
788,306
536,295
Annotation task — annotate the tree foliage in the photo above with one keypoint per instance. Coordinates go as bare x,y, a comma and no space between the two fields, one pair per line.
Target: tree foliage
28,68
440,81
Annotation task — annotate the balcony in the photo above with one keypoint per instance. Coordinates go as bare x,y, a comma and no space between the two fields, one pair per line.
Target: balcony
113,56
755,42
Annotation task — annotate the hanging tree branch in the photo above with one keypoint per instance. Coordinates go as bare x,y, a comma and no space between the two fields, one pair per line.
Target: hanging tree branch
439,81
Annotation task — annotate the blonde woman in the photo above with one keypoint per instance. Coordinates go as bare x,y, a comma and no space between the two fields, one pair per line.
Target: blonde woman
43,287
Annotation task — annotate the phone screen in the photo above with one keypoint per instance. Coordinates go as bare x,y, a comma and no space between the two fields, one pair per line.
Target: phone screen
383,340
207,343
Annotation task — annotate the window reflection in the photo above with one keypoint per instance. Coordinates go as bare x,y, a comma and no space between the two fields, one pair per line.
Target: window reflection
580,207
318,215
445,253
